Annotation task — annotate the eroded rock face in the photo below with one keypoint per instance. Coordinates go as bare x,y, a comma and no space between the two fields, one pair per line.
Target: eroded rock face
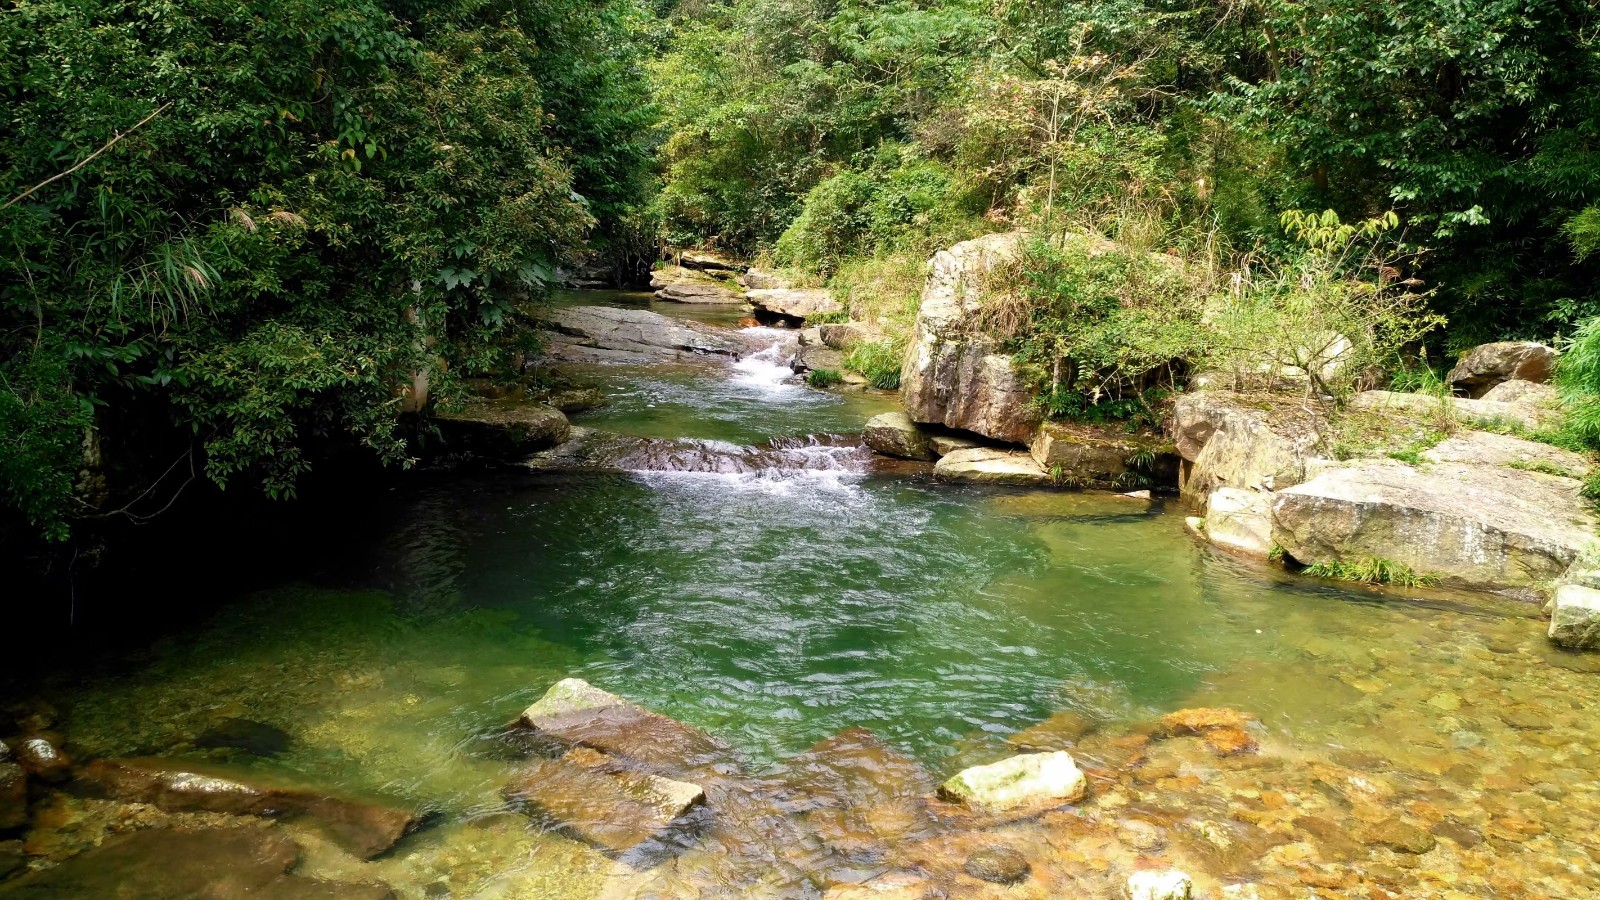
1478,526
1487,365
365,829
1237,441
894,434
954,375
992,465
507,429
1240,521
1575,618
189,864
638,336
1529,415
793,304
1102,456
1025,780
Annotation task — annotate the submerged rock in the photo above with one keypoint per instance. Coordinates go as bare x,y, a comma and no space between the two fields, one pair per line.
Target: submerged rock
1059,732
1162,884
1488,365
1240,521
954,374
13,796
1575,618
188,864
792,304
574,713
1476,526
998,865
604,805
1199,720
992,465
504,429
247,735
894,434
365,829
1023,780
575,400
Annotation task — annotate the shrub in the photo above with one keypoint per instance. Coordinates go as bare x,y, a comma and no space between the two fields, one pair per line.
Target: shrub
878,361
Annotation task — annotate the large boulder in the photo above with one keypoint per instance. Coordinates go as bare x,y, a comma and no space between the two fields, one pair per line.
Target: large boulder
1240,521
1029,779
1527,393
844,335
609,334
954,374
1102,456
992,465
1487,365
39,757
189,864
599,800
1489,527
894,434
364,828
1532,416
506,429
1575,617
1242,441
792,304
761,279
678,284
710,261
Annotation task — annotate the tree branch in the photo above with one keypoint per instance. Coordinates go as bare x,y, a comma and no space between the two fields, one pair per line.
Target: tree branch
86,160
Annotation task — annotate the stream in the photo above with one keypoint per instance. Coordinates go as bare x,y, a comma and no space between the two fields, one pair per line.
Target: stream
776,605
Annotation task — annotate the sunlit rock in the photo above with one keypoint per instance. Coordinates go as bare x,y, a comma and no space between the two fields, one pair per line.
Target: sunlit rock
843,335
1103,456
954,374
365,829
1487,527
1059,732
1199,720
1162,884
1239,441
992,465
1575,618
1488,413
1488,365
997,865
709,261
683,284
894,434
761,279
792,304
598,800
888,886
1240,521
1528,393
1022,780
575,713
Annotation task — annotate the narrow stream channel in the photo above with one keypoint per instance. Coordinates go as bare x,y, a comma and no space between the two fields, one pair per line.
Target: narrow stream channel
776,608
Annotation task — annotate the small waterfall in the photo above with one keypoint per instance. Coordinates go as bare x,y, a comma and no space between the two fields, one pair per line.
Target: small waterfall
768,368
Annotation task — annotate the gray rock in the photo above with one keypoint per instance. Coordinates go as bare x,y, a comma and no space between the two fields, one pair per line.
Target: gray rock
946,444
843,335
1240,521
1244,442
997,865
1487,365
1476,526
894,434
1528,393
1028,779
793,303
644,334
761,279
954,375
812,357
992,465
1458,409
1575,619
710,294
709,261
1489,449
575,400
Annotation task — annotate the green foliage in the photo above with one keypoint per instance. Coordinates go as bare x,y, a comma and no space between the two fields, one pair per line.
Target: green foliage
878,361
1371,570
823,378
246,225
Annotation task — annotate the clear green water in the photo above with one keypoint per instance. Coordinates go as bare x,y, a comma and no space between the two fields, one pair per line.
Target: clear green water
774,609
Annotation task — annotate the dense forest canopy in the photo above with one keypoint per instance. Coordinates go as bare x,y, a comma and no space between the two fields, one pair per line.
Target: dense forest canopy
238,236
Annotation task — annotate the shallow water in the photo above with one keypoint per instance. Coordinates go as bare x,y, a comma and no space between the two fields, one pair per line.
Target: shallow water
774,609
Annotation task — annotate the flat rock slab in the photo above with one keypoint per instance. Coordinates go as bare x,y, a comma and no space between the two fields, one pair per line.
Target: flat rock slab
1488,449
574,713
1030,779
1103,456
1531,416
365,829
638,333
609,807
991,465
1477,526
793,303
188,864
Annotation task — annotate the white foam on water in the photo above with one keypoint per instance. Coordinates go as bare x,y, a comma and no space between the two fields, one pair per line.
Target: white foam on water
768,369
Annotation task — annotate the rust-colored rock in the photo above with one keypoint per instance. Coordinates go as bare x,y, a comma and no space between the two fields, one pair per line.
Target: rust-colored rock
1201,720
612,808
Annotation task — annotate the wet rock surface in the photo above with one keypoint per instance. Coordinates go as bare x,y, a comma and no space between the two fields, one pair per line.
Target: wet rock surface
574,713
13,796
503,429
599,800
41,759
992,465
1575,619
894,434
188,864
1028,779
